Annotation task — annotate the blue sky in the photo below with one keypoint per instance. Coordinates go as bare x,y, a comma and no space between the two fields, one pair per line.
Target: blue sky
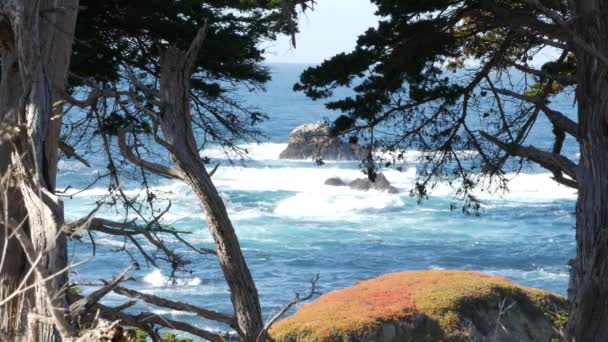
332,27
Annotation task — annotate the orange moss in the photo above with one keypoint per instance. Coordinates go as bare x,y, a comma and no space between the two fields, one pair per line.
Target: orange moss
361,309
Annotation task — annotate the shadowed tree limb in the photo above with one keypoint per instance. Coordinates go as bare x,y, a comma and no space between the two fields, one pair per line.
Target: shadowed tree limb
556,163
556,117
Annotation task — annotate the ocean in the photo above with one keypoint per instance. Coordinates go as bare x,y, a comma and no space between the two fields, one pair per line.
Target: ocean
291,226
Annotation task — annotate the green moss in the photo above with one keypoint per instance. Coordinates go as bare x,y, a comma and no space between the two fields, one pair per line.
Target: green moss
75,290
142,336
171,337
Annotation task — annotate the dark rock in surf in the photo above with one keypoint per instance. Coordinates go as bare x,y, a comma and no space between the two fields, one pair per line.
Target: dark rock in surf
335,181
314,141
380,184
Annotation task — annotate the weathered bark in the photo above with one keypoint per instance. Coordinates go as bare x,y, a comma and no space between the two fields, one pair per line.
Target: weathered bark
589,278
57,35
35,59
175,122
14,266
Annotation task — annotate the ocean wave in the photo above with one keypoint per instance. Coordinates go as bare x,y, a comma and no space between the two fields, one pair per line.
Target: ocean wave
271,151
173,313
156,278
262,151
297,179
537,274
313,199
523,188
335,204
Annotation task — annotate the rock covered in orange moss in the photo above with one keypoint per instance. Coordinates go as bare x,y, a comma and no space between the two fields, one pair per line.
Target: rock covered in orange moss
428,306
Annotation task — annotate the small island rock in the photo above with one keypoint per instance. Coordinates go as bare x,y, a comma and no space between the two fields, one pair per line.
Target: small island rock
380,184
335,181
314,141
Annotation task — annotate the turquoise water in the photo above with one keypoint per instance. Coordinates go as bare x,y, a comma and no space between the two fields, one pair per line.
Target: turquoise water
292,227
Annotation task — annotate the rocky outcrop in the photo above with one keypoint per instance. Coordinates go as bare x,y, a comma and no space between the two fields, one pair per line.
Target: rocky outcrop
428,306
365,184
314,141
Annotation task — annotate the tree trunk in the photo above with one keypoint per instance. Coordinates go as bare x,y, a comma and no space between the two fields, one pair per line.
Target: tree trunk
588,291
35,46
12,323
176,125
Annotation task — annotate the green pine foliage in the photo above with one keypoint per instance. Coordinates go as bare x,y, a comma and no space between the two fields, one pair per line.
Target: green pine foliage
429,78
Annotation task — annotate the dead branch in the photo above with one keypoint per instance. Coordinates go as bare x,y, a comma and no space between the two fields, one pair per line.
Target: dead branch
145,319
106,332
192,54
80,308
297,300
175,305
214,170
70,152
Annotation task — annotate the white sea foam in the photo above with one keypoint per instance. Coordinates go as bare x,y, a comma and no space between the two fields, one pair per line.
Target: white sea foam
332,205
522,187
263,151
297,179
157,279
531,275
107,241
173,313
313,199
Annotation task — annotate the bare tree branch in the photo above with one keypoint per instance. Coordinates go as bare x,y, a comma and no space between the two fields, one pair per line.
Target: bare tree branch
192,53
576,39
562,78
149,166
70,152
179,306
80,308
145,319
297,300
557,118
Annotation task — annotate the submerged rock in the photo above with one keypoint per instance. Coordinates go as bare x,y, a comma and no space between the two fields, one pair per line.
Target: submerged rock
379,184
314,141
428,306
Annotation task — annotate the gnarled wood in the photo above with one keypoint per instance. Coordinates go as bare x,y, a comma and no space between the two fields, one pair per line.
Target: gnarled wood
35,60
588,291
175,123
